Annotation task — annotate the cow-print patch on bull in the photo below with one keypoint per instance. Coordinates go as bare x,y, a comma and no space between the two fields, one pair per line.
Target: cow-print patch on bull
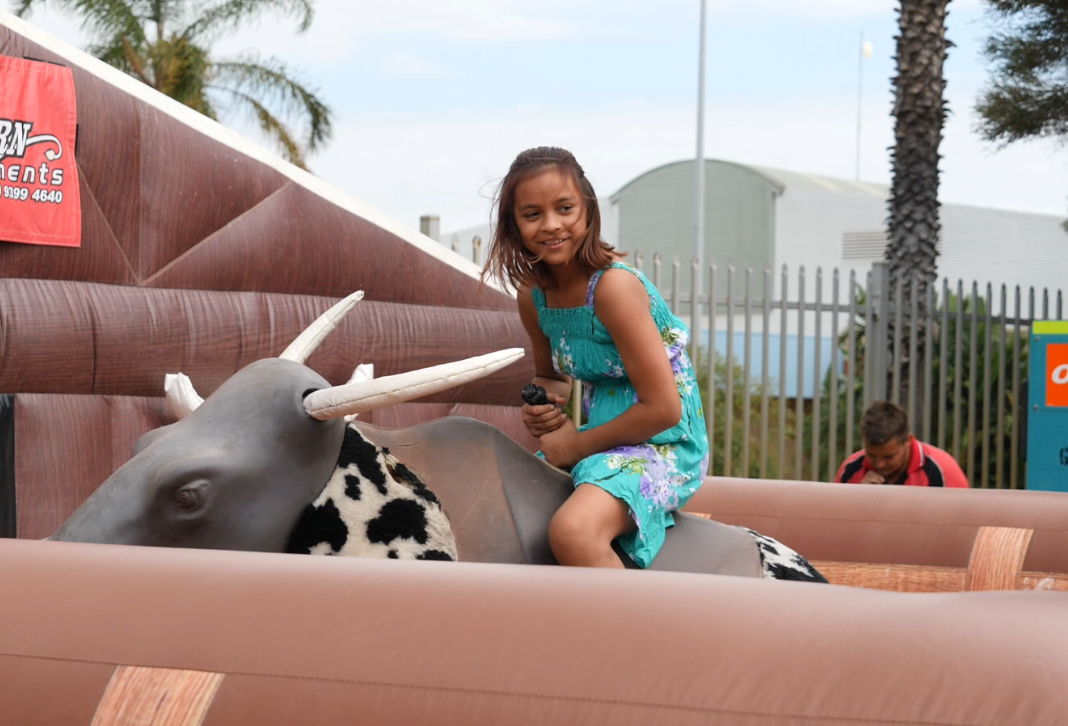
399,518
373,506
782,563
319,524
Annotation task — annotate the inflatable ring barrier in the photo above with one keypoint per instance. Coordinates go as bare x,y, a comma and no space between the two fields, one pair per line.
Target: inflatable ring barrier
103,633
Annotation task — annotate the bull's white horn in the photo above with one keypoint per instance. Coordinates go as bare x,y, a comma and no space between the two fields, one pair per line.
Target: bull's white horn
352,398
306,343
181,395
363,372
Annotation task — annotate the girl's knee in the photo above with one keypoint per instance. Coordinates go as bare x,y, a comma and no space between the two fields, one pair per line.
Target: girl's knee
567,529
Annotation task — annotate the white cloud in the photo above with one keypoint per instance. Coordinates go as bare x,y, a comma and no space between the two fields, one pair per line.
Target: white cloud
448,163
818,8
806,8
456,19
340,26
450,166
410,65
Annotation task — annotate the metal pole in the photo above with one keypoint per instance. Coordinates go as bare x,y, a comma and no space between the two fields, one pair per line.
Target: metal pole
710,385
799,401
728,397
746,368
699,165
765,352
879,293
860,86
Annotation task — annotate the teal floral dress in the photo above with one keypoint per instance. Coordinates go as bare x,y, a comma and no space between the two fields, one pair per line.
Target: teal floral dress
658,476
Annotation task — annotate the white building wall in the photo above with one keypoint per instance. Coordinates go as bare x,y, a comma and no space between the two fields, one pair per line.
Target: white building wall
986,245
980,244
1003,247
809,224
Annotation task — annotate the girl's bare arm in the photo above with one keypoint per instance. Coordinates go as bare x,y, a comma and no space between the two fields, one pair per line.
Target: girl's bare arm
542,419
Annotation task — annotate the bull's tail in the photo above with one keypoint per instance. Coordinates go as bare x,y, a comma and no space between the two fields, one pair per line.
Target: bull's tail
782,563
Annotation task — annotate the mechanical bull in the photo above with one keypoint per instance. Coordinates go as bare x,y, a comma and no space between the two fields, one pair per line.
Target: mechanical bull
273,461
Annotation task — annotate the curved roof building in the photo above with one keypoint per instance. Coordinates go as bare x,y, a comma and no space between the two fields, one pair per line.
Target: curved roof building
761,217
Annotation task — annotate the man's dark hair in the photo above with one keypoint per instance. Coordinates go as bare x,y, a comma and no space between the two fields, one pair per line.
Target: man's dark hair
884,421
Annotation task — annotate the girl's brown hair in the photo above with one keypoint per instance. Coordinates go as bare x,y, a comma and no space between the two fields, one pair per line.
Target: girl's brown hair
508,259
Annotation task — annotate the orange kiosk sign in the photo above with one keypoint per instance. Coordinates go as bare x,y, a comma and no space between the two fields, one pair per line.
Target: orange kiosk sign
39,199
1057,374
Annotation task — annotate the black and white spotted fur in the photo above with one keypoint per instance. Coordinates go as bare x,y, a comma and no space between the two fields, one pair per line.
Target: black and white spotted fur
782,563
373,506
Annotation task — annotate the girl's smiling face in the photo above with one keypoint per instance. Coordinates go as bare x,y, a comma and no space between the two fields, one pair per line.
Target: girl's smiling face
551,216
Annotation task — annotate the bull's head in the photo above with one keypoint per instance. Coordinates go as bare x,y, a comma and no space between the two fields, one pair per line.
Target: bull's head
236,472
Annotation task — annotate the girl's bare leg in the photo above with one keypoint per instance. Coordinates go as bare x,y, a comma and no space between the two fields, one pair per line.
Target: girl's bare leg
582,530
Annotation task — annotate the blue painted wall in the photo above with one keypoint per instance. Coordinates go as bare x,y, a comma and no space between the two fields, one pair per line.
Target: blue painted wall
774,347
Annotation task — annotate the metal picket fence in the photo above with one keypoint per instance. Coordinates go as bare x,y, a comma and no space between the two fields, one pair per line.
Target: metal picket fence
787,371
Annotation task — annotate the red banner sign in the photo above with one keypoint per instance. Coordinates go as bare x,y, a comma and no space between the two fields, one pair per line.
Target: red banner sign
39,200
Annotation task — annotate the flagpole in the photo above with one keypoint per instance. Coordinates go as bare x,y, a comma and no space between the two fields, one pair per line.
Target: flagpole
864,51
699,173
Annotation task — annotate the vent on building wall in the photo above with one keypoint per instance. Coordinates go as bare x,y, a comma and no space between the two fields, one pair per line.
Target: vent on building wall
865,244
869,244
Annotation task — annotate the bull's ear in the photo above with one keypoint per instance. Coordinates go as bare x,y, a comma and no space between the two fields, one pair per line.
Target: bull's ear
358,397
147,438
309,340
181,395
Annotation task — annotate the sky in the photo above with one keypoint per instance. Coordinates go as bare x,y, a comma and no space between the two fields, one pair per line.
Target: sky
432,99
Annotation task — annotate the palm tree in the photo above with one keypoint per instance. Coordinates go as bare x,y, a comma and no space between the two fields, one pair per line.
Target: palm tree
919,115
166,44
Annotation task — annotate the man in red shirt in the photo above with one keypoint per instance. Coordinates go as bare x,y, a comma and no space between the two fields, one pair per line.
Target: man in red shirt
892,455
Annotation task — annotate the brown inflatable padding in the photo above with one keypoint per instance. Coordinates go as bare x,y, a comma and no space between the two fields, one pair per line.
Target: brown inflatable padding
1048,550
73,337
66,445
99,259
190,187
281,639
316,243
167,205
888,525
997,562
109,161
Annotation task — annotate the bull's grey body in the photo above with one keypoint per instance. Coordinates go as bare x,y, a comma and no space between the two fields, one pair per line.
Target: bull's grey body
238,472
501,497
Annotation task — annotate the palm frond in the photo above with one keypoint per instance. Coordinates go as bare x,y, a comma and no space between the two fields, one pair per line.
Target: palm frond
230,13
22,6
102,18
134,60
272,126
271,78
180,69
179,63
120,53
112,52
